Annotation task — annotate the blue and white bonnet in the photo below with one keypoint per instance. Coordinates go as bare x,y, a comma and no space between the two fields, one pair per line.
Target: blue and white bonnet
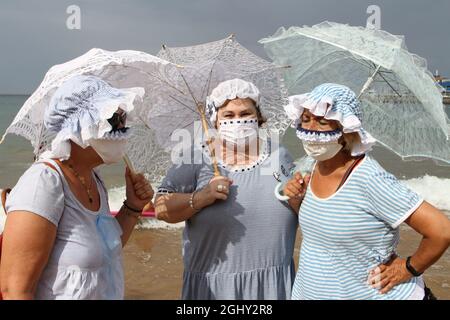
333,102
229,90
79,111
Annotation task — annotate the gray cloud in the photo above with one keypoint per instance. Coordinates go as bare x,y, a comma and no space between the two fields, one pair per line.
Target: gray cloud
33,34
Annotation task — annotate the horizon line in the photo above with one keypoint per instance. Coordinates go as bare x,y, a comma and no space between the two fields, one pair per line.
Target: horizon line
15,94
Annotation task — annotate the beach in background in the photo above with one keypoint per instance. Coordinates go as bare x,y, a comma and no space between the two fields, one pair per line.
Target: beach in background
153,262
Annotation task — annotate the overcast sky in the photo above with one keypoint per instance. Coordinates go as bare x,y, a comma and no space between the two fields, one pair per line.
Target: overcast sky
34,36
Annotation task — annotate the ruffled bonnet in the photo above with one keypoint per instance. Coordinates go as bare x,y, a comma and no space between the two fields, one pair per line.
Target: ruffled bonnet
229,90
333,102
79,111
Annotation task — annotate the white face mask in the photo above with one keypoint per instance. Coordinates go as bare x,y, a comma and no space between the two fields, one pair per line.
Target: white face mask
111,151
320,145
239,131
322,151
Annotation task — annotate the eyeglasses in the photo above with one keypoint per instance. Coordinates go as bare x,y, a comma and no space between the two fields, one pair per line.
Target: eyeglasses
117,120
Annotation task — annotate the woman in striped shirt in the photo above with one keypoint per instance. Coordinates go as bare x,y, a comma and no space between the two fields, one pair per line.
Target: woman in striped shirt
352,208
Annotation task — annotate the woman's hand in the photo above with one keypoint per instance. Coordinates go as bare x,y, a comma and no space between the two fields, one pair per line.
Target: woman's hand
296,187
386,276
217,189
139,192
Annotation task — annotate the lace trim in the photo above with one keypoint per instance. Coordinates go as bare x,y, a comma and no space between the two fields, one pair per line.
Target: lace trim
238,121
264,147
121,134
319,136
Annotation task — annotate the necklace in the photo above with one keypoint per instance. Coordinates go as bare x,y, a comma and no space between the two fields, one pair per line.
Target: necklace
83,182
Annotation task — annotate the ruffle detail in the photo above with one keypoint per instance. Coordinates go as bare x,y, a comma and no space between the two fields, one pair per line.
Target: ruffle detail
245,285
318,136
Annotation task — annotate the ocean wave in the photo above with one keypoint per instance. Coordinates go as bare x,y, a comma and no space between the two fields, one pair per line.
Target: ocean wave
433,189
116,196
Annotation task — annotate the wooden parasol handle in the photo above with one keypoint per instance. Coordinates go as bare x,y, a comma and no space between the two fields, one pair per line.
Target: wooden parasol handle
201,110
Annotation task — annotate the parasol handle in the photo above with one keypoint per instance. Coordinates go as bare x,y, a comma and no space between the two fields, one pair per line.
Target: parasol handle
369,81
208,139
278,189
277,192
127,161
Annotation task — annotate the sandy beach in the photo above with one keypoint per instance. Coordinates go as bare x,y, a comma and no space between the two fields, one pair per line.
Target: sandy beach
154,266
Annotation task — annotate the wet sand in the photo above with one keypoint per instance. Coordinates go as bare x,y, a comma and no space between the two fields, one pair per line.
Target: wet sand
154,266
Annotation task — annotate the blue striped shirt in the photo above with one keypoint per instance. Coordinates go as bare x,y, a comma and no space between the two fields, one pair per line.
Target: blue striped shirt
350,233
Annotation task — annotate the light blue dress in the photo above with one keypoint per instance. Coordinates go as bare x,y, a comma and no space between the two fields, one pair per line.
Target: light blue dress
86,260
350,233
241,248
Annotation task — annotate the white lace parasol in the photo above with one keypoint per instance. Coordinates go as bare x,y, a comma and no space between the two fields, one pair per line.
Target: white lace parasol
121,69
178,103
402,104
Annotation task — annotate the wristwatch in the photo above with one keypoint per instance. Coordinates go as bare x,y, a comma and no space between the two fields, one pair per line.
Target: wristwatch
411,269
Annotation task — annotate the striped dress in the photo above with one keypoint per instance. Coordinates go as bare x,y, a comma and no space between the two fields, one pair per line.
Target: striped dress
351,232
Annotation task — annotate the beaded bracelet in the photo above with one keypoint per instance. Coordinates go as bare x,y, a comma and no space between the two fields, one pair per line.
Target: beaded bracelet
139,212
191,201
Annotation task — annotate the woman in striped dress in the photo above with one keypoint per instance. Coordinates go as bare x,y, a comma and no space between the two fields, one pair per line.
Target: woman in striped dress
352,209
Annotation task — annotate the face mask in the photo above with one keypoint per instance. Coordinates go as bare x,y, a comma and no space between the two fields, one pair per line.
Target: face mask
239,131
322,151
320,145
111,151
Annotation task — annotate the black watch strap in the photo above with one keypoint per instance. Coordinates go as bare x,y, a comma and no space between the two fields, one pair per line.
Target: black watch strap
411,269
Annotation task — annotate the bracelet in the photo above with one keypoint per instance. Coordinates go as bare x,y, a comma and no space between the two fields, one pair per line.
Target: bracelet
411,269
139,212
130,208
191,201
130,213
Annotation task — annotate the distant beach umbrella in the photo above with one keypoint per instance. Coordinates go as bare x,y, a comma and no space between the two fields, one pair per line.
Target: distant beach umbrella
402,103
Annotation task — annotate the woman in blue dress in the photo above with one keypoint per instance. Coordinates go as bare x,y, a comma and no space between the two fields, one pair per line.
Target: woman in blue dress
352,209
238,239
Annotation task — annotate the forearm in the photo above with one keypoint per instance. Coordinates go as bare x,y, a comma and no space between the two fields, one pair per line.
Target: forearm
175,207
295,204
127,221
429,251
434,226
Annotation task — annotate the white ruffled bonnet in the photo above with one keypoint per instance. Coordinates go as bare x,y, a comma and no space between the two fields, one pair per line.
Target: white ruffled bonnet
229,90
333,102
79,111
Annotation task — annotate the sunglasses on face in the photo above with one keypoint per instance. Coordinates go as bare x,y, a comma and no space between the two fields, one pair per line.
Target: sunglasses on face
118,121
